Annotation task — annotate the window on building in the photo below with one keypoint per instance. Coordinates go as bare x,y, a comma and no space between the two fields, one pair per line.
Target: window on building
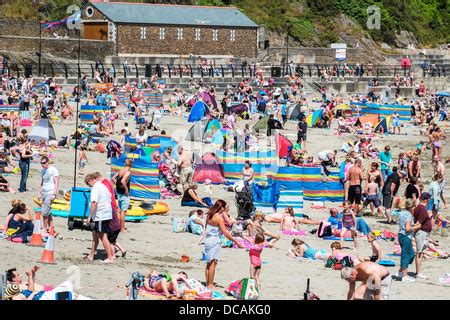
162,33
143,33
233,35
180,33
215,35
197,34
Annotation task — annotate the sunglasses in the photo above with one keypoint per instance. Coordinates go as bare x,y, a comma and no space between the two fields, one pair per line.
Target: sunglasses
44,162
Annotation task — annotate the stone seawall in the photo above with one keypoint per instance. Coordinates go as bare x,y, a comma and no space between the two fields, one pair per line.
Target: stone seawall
64,48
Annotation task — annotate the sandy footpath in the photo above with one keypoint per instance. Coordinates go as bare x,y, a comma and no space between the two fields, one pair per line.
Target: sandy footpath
152,244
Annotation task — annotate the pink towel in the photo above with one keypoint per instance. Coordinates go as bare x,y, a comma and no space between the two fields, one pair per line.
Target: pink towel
295,232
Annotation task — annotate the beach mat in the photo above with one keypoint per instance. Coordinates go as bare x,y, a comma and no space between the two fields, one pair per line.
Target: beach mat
386,263
336,238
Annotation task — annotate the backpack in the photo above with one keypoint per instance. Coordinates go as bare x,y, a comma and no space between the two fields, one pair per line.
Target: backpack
324,229
331,262
346,262
249,290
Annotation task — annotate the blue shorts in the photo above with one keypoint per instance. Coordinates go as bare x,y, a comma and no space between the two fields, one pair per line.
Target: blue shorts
124,202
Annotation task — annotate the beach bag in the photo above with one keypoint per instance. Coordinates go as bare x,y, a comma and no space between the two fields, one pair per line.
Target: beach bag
208,201
346,262
324,229
331,262
249,290
179,225
234,288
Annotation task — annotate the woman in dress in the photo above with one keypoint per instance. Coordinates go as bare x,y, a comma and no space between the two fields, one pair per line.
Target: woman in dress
215,226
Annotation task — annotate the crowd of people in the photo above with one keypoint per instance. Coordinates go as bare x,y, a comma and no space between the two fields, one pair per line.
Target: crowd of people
370,178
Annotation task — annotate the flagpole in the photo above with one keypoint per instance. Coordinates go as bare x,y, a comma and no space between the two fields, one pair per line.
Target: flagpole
78,103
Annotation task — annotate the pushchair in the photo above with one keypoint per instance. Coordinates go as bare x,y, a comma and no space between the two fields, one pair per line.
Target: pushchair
244,201
168,178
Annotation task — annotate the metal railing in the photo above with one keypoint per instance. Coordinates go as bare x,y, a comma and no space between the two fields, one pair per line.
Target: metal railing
167,71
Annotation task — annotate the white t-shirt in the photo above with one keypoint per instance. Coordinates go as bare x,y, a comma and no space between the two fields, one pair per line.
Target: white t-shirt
323,155
48,181
141,138
100,194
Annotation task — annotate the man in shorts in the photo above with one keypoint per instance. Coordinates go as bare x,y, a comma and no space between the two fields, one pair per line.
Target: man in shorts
48,192
371,190
422,235
185,166
376,281
101,214
355,176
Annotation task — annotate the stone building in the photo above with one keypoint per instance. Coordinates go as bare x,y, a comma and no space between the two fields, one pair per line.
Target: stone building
138,28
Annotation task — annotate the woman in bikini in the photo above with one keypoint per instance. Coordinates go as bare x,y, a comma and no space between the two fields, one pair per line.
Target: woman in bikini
248,172
437,144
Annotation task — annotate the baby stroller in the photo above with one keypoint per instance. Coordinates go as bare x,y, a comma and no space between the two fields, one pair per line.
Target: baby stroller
168,178
244,201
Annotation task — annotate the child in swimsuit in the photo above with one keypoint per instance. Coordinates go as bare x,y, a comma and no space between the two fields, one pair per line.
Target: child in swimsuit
301,249
348,223
255,257
376,250
337,253
288,221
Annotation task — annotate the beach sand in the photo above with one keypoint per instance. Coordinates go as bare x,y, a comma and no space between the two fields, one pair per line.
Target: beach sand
152,244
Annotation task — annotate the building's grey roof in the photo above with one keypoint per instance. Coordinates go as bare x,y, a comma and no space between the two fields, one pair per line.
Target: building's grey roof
141,13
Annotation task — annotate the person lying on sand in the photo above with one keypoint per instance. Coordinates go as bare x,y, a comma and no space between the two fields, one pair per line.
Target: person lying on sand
289,222
288,212
164,282
301,249
13,276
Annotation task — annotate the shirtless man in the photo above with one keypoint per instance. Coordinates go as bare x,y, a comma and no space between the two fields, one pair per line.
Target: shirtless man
355,176
371,190
185,166
376,281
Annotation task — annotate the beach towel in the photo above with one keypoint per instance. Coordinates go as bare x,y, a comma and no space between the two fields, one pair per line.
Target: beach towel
295,232
336,238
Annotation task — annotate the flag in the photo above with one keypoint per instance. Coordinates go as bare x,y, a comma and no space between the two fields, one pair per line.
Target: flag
72,22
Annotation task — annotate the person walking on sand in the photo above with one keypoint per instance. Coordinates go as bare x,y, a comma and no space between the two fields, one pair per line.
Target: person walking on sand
48,192
422,236
122,180
376,281
83,159
101,214
389,191
215,226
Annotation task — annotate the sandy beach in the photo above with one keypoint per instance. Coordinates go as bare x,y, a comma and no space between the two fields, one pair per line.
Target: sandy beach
151,244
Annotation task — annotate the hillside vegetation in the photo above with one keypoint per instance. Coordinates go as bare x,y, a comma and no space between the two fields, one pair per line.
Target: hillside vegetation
313,21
